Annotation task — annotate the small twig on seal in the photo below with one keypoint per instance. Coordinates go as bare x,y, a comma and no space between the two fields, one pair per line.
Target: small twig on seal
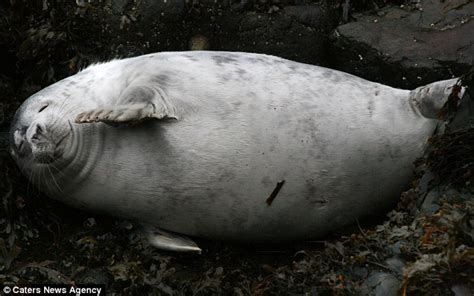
275,192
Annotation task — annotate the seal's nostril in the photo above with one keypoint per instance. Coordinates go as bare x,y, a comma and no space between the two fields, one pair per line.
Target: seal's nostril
38,132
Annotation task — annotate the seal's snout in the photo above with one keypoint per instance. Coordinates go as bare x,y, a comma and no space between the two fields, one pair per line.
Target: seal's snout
38,132
42,145
44,157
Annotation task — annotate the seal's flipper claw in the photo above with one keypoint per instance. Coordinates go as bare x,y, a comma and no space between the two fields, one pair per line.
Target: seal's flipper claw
170,241
132,113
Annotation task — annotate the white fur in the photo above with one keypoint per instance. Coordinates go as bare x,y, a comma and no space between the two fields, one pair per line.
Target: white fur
343,145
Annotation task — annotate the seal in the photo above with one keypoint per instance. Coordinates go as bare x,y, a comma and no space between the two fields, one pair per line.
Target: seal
224,145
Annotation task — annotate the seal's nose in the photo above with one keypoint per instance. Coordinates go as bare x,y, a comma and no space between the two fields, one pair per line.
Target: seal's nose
38,131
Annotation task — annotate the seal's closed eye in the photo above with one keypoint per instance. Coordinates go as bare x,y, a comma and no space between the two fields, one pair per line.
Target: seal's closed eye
42,108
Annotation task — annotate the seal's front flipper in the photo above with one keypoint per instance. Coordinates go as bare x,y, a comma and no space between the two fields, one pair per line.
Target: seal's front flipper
133,113
137,103
169,241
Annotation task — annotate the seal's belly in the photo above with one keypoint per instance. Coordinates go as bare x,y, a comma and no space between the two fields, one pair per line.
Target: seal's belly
212,177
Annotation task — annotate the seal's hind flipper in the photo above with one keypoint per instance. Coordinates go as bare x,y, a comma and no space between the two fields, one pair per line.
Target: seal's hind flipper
136,104
431,99
170,241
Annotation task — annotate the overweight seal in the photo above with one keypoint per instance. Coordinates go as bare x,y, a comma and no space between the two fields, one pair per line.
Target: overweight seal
224,145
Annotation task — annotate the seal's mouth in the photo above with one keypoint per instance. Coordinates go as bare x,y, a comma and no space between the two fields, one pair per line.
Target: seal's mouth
45,150
47,153
44,157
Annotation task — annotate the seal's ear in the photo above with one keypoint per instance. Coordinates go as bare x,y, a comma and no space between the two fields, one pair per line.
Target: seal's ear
136,104
432,98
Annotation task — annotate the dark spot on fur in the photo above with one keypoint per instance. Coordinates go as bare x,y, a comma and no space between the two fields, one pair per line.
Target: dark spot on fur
241,72
370,107
161,79
226,77
258,60
190,57
314,194
83,88
237,105
266,181
223,59
336,78
251,94
428,107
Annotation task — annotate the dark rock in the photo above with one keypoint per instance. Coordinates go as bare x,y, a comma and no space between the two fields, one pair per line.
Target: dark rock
431,202
464,114
395,264
278,34
380,284
97,276
462,289
311,15
396,248
408,48
295,32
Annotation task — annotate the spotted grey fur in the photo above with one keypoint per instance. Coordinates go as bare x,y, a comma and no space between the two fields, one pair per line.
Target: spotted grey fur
195,143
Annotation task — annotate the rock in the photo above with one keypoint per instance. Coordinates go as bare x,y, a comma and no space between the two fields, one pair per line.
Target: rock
397,247
311,15
407,48
464,114
380,284
462,290
425,181
435,197
294,32
219,271
395,264
96,276
360,272
431,202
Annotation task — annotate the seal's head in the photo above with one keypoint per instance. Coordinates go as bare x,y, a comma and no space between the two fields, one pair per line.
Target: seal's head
40,132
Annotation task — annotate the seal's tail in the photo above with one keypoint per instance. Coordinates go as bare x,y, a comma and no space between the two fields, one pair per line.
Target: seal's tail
433,100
